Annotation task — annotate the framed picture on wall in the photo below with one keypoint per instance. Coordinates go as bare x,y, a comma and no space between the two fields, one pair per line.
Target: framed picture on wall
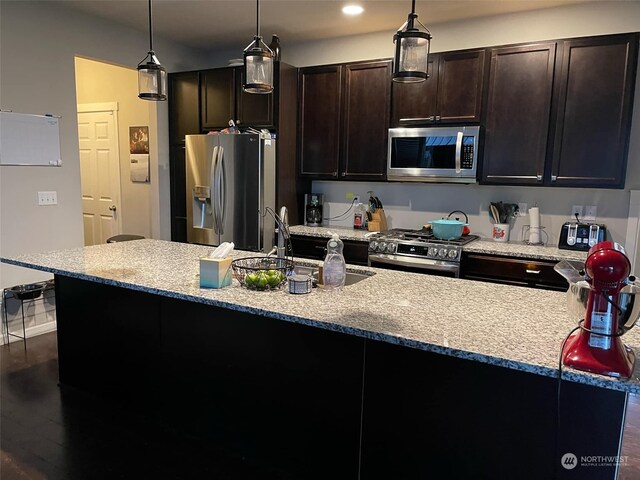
139,154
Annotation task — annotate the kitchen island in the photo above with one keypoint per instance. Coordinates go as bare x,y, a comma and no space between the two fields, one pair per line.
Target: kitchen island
397,376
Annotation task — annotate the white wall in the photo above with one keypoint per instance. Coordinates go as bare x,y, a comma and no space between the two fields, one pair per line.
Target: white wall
411,205
38,43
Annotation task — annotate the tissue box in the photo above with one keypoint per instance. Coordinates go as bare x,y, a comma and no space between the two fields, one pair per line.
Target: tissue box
215,272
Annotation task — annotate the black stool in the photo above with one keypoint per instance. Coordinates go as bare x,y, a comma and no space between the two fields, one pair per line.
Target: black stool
123,238
23,293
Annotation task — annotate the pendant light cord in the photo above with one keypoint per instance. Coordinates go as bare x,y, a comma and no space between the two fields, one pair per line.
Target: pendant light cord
257,18
150,29
413,7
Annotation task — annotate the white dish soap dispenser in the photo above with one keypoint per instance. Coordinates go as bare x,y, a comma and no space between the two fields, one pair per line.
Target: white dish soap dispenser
334,270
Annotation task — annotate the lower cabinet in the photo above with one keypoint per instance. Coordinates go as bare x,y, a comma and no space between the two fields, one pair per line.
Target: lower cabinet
355,252
525,272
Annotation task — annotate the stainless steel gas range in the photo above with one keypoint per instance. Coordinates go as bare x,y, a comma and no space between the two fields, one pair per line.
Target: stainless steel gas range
417,251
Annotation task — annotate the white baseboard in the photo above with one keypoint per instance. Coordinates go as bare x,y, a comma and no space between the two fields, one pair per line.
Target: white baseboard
32,332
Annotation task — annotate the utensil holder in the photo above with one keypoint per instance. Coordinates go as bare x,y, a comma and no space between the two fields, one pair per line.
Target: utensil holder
215,272
500,232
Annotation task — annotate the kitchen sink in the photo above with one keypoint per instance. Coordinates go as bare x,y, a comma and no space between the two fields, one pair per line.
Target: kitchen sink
312,270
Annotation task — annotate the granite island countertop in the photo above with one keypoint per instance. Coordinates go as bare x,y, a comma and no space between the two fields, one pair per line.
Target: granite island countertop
508,326
486,246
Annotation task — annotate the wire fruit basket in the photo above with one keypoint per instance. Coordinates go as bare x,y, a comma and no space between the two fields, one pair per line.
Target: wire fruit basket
262,273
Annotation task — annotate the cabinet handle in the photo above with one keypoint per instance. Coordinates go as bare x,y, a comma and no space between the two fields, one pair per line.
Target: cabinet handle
539,177
418,119
437,118
554,178
320,247
533,272
344,174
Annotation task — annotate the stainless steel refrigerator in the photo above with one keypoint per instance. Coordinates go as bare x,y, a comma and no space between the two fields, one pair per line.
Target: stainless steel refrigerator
231,180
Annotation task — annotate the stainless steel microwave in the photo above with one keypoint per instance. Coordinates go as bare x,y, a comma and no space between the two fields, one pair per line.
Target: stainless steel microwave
433,154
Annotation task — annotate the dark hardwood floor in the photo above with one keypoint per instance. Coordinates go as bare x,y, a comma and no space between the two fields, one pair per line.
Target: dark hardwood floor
52,432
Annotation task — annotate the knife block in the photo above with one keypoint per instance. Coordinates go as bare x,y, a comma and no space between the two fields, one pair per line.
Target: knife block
378,222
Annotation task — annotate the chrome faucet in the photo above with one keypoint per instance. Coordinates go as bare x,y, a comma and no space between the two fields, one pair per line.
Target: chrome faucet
283,232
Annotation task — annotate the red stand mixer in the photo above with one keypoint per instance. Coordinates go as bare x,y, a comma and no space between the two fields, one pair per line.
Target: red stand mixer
604,295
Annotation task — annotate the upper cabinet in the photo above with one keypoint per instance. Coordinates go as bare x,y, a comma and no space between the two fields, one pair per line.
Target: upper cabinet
559,114
452,93
344,120
517,113
217,98
593,119
184,95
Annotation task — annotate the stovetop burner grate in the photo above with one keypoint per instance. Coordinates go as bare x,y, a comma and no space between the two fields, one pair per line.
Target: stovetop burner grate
424,235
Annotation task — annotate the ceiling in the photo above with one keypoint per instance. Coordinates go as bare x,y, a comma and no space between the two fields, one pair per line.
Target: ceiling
215,24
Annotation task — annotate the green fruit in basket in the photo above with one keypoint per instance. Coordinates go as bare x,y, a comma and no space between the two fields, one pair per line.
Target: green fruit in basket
261,281
271,273
250,279
274,279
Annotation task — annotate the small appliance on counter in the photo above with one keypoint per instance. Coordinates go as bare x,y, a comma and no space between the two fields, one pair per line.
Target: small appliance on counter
313,209
581,236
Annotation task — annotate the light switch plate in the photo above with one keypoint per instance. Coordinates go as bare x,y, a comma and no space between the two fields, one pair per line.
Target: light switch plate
47,198
523,209
590,213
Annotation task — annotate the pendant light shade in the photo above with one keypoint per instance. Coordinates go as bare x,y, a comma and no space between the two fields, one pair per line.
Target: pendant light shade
258,63
413,43
152,77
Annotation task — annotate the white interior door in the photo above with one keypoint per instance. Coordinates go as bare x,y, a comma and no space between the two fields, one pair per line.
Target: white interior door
100,172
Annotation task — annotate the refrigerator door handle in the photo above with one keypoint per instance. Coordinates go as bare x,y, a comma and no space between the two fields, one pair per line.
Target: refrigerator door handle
218,187
214,166
223,191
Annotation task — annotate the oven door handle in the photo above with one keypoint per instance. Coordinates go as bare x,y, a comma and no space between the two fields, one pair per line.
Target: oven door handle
459,152
421,263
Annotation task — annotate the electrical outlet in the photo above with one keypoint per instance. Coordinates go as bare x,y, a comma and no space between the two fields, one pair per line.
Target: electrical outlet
576,209
47,198
523,209
349,195
590,213
356,199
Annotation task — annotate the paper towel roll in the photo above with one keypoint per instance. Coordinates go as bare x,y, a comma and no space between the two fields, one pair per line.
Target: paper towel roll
534,225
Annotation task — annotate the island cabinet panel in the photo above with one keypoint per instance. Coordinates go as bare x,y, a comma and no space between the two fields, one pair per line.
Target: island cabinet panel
595,97
427,415
109,341
517,114
452,93
281,394
366,120
319,98
217,97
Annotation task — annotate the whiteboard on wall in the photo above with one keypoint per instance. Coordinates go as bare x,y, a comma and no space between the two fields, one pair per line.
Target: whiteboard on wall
29,140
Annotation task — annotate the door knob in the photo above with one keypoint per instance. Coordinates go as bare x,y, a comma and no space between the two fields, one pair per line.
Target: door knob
113,208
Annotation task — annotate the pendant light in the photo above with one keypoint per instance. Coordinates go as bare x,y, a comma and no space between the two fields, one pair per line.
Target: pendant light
152,77
258,63
413,43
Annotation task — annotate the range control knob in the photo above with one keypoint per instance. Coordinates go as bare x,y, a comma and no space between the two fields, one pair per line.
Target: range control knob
433,251
391,248
442,252
453,253
382,246
373,245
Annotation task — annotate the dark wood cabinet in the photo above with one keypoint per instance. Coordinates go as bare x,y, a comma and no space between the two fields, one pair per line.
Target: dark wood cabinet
525,272
319,100
594,104
517,113
452,94
355,252
367,91
184,111
178,193
255,110
217,97
344,117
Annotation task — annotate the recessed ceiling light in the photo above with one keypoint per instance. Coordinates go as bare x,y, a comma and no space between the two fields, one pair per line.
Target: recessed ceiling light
352,9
